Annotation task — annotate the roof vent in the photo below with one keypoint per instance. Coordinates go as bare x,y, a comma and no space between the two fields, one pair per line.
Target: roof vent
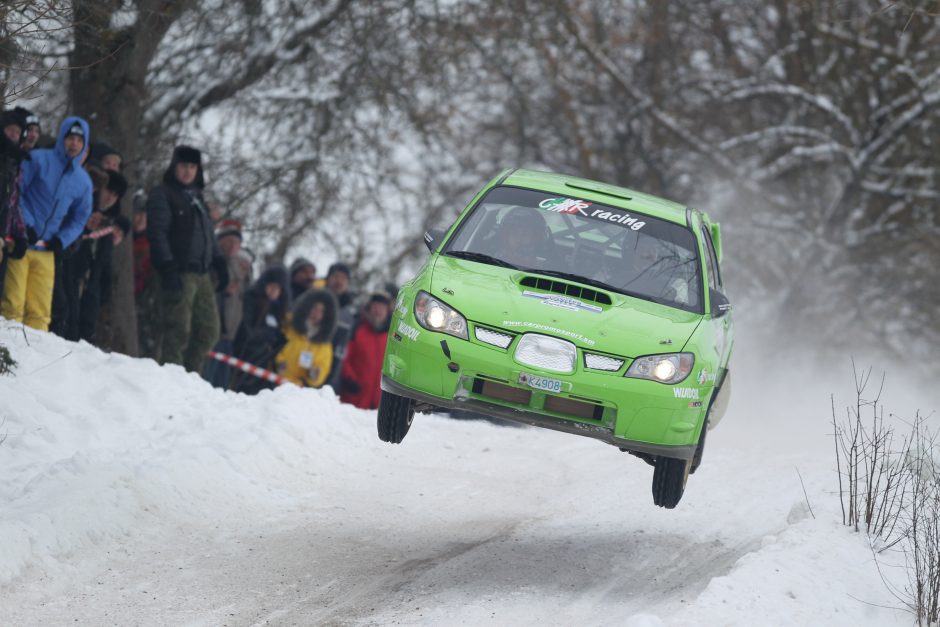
598,188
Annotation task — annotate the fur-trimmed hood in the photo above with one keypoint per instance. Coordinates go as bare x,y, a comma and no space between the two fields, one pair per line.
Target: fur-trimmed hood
256,303
272,274
302,308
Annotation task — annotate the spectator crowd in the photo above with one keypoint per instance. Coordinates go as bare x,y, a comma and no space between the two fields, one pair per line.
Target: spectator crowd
197,301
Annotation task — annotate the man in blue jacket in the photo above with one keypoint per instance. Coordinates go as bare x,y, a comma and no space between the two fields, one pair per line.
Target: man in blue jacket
55,195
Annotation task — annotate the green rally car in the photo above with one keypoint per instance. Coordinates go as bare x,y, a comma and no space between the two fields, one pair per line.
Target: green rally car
574,305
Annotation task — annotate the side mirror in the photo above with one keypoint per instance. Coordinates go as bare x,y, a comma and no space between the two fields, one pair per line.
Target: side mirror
432,237
720,304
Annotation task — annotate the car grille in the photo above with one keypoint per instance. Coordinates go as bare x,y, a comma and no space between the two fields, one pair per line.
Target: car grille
546,352
493,337
568,289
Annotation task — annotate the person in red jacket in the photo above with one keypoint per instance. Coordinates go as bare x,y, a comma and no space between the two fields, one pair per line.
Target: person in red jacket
361,372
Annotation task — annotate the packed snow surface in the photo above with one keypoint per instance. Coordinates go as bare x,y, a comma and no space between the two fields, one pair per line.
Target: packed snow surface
135,494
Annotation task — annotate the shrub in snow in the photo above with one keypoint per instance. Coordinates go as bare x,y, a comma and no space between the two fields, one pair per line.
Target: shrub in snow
7,363
893,493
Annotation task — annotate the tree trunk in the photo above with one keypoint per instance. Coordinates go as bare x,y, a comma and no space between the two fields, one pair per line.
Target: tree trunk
107,86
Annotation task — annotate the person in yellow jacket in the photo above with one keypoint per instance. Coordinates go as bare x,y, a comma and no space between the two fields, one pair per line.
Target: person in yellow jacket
308,354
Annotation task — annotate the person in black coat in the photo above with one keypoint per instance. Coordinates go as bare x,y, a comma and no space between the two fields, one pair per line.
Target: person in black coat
183,250
13,239
90,263
260,335
337,281
71,267
33,128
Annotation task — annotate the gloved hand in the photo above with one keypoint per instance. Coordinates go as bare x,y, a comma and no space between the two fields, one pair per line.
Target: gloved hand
19,248
54,244
350,386
220,267
170,279
31,236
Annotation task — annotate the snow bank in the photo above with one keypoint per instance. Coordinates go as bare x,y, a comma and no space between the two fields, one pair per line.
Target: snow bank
100,444
110,461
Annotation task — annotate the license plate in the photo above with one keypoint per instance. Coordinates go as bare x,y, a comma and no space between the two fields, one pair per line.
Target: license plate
540,383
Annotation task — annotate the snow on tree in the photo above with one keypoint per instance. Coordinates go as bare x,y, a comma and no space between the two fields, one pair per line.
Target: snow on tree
808,130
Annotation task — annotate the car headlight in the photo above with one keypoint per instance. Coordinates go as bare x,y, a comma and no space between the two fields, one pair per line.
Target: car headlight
434,315
670,368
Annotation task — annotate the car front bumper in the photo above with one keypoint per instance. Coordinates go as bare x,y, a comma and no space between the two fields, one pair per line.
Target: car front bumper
451,373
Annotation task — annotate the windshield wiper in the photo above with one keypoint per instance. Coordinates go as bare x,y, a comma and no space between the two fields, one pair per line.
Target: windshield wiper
481,257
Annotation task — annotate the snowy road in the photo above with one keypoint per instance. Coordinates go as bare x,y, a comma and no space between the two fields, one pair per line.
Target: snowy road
402,542
213,509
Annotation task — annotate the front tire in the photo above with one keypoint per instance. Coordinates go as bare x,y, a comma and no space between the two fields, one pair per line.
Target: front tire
394,417
669,480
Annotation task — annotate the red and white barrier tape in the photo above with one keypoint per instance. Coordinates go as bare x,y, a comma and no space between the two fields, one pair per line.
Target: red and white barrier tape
99,233
251,369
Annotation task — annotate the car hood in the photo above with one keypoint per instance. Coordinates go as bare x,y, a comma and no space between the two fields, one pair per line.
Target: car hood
492,295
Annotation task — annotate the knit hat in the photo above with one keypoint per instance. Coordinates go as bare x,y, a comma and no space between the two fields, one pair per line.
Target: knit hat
187,154
13,117
299,264
99,150
30,117
76,129
229,226
339,267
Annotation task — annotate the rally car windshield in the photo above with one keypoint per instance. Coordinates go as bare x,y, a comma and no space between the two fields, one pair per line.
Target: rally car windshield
615,249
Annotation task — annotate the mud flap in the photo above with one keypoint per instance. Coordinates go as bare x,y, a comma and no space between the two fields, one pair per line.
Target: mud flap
720,404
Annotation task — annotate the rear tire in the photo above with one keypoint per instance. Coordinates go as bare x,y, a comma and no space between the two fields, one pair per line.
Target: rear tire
669,480
394,417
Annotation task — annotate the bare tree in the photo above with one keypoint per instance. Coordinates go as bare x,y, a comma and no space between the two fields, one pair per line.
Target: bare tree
809,129
119,51
114,43
25,29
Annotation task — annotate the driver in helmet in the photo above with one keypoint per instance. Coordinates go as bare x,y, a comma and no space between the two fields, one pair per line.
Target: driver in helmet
522,237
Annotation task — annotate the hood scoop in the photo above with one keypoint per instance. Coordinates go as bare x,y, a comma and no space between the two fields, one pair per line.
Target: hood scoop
567,289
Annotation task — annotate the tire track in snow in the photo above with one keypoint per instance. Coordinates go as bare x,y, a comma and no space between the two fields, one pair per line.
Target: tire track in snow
362,594
589,574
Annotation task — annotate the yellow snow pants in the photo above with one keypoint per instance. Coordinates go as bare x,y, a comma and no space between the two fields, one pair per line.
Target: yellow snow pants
27,290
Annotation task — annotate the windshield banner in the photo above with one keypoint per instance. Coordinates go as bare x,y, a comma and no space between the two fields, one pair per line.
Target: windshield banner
570,205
